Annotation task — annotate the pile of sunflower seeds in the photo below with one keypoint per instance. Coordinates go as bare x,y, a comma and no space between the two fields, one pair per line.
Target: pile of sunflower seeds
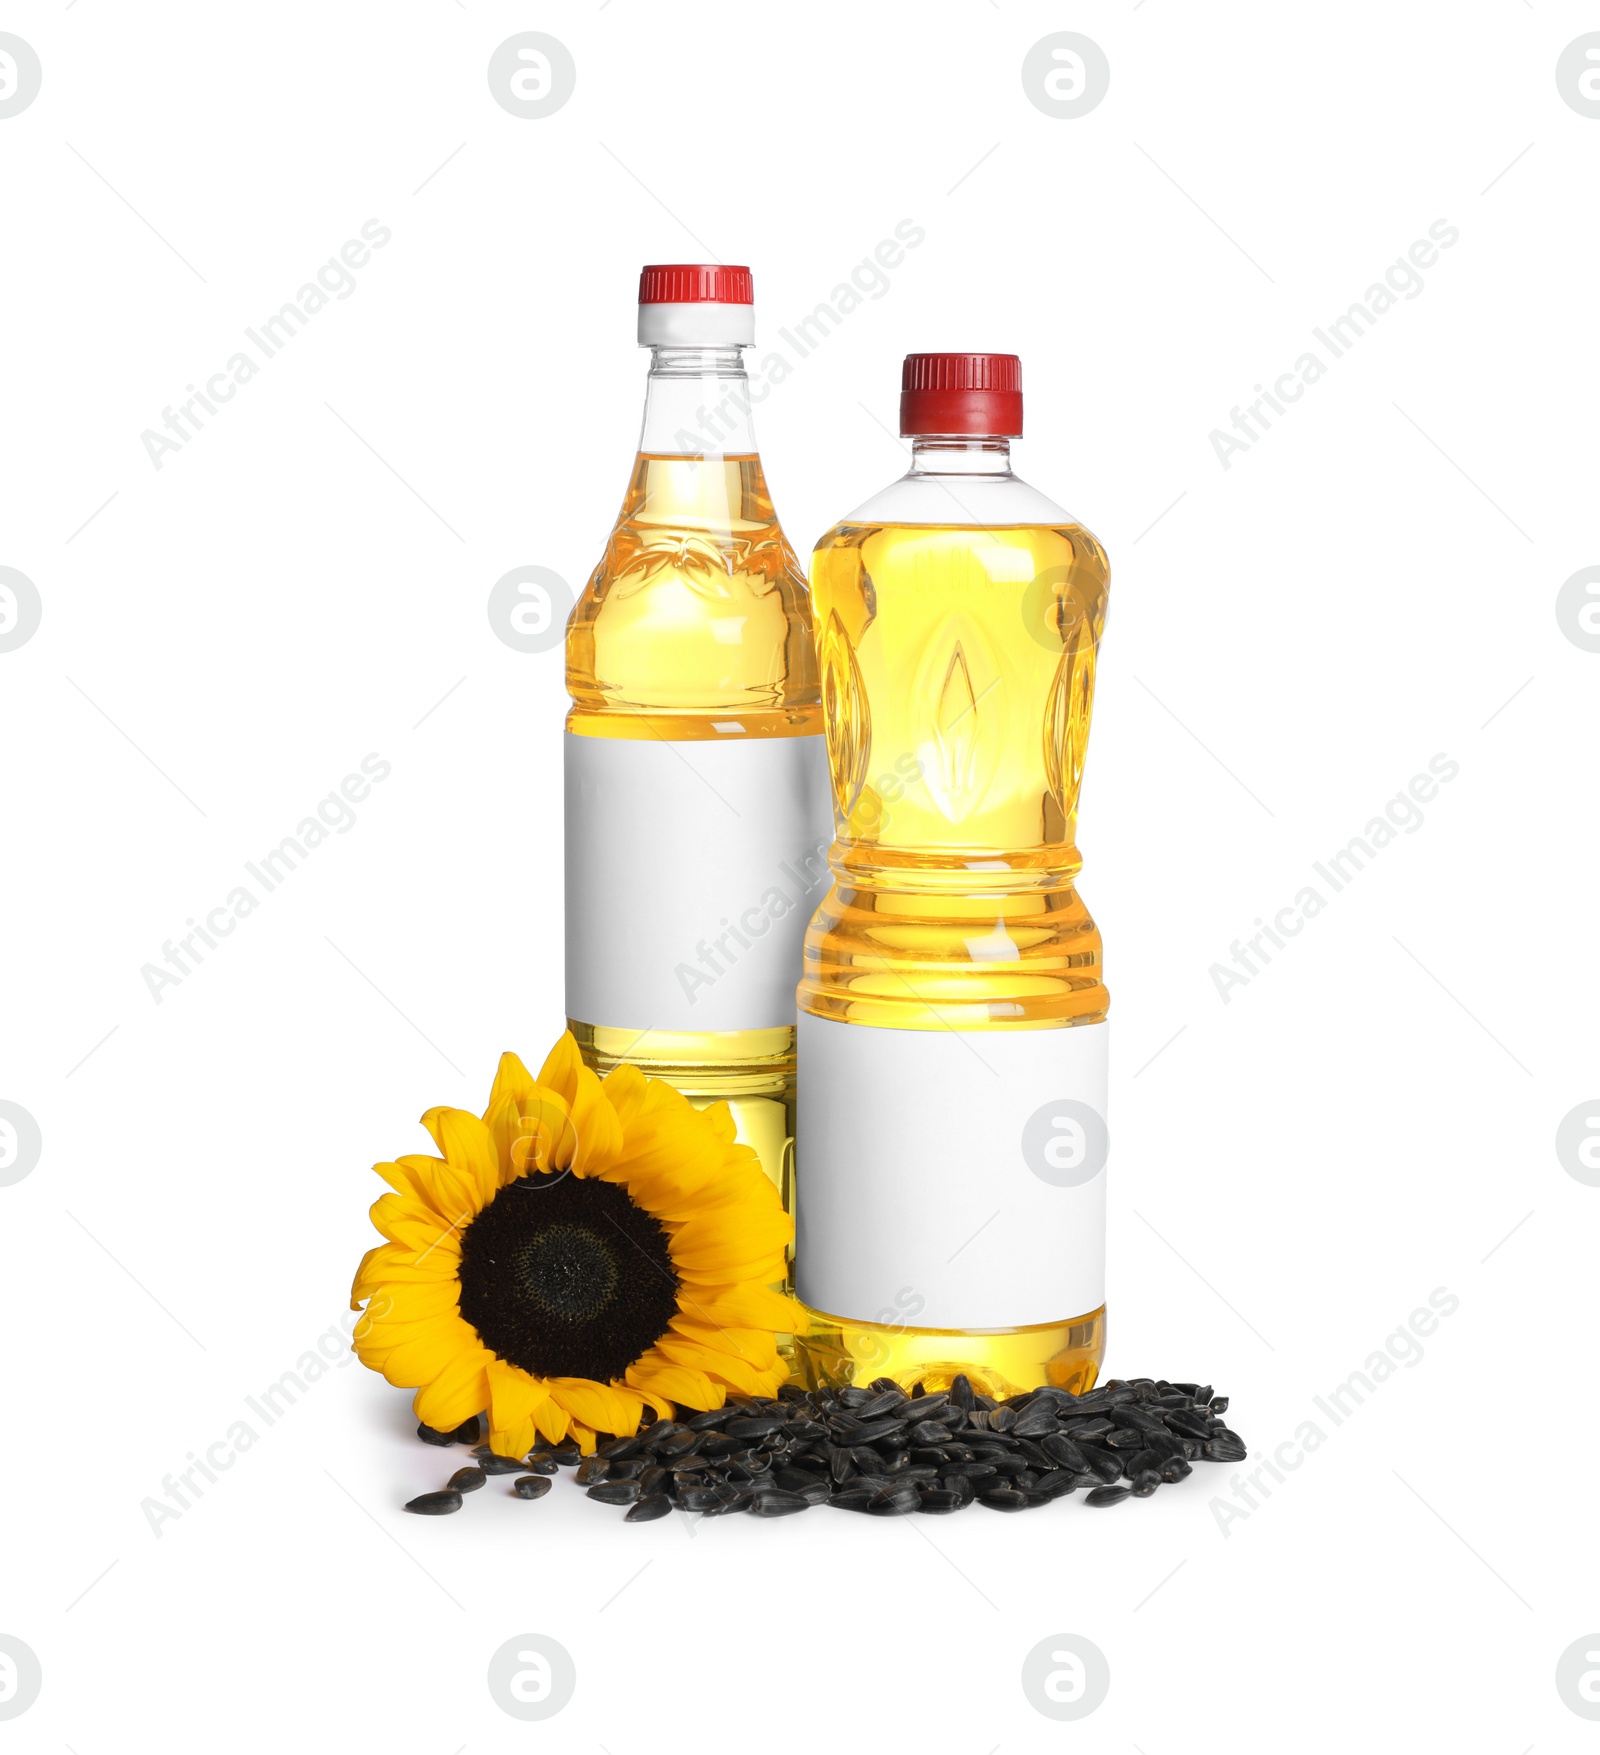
880,1451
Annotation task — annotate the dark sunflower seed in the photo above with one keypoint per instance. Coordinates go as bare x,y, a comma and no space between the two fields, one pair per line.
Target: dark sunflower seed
1145,1483
852,1498
752,1425
1217,1404
1219,1450
883,1403
592,1469
619,1449
727,1503
531,1486
542,1465
465,1433
965,1470
939,1499
615,1492
1106,1496
1004,1499
961,1391
1106,1465
1036,1420
705,1422
468,1480
1058,1483
776,1503
435,1504
896,1504
1062,1450
1081,1429
1175,1468
646,1510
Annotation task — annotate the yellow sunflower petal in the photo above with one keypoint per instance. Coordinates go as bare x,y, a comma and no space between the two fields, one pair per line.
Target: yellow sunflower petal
513,1440
717,1365
598,1404
654,1376
552,1420
594,1120
747,1307
626,1089
449,1191
422,1298
513,1395
733,1241
755,1347
458,1392
404,1220
541,1136
719,1118
511,1080
469,1150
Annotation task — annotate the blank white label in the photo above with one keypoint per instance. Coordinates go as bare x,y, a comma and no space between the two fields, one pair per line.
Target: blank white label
951,1179
693,869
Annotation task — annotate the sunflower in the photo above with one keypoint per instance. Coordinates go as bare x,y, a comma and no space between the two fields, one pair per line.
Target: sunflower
581,1250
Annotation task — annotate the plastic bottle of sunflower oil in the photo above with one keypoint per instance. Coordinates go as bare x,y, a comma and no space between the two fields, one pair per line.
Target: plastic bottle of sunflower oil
952,1043
697,815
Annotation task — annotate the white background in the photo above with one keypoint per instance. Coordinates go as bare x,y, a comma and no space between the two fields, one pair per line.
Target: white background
1372,583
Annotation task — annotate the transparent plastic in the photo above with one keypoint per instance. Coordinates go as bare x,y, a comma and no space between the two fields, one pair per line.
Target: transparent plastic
697,617
959,614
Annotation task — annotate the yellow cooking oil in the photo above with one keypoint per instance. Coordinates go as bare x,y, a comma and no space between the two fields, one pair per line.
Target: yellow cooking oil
958,670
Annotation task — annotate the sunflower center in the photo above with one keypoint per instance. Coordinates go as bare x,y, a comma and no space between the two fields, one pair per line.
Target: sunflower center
568,1273
567,1277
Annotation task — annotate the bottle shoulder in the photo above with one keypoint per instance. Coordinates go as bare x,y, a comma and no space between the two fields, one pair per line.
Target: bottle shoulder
927,498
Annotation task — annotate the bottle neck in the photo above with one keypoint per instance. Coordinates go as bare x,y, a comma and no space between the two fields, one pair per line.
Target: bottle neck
697,404
960,454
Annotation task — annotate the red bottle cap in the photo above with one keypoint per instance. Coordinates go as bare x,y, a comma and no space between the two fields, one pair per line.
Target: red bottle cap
972,393
694,283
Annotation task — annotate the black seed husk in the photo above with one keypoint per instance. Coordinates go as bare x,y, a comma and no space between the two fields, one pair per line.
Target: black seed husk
875,1450
435,1504
776,1503
615,1492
